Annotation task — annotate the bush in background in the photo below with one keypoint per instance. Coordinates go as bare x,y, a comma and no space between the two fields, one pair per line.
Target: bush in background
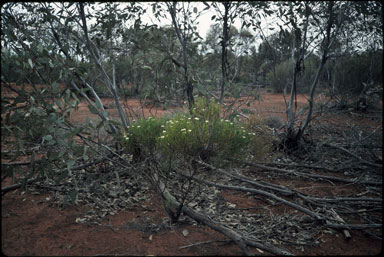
283,75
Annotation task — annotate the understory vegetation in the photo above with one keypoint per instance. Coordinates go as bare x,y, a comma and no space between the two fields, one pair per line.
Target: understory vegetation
170,113
203,134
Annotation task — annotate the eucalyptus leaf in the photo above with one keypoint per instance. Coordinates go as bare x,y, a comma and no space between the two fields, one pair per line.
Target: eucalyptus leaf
30,63
92,109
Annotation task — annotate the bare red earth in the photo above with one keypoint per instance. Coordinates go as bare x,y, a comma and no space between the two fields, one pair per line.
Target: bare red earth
30,226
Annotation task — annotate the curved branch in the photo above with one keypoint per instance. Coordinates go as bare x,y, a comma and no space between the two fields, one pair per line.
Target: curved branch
376,183
357,157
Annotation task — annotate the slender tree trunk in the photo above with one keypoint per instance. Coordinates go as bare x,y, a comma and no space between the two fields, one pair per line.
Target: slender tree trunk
188,84
310,100
329,40
94,54
224,77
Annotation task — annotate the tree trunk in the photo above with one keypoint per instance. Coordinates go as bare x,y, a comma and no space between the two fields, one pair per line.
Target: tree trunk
224,41
188,84
94,55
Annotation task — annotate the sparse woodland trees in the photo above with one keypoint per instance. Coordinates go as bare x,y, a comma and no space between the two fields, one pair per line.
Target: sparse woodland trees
68,52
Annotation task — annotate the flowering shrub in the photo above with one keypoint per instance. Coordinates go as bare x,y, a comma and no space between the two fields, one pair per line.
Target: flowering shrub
201,134
142,135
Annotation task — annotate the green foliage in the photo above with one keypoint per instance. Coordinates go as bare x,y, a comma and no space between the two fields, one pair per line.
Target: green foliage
283,75
35,120
203,134
180,136
142,135
351,72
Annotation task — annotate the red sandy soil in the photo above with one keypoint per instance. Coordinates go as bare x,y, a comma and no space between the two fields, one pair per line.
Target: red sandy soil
31,226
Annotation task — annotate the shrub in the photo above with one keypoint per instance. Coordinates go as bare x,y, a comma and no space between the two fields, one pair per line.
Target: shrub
352,71
140,137
284,74
202,134
262,142
274,122
281,77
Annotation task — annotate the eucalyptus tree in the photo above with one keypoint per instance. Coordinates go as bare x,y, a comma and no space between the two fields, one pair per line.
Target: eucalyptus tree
156,68
52,41
227,17
183,18
315,27
212,47
360,40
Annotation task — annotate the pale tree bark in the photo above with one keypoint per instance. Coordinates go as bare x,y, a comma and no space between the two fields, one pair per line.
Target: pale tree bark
329,40
184,65
99,104
297,68
224,54
95,57
293,137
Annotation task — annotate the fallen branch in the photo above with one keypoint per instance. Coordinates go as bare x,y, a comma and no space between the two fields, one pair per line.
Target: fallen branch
232,234
204,242
342,199
298,207
264,193
324,177
15,186
353,226
171,202
29,181
282,190
21,163
289,192
357,157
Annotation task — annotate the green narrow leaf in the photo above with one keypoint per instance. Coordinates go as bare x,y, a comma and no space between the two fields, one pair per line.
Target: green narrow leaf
92,109
47,137
70,164
61,74
73,195
85,156
20,145
77,130
61,153
67,95
247,111
201,89
30,63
